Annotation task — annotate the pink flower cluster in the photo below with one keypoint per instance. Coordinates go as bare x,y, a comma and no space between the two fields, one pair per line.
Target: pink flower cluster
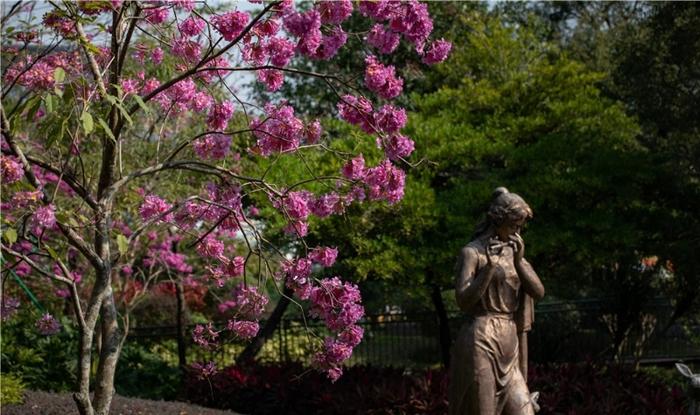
247,303
192,26
47,325
279,131
437,52
204,370
210,247
205,336
219,116
243,329
212,146
386,182
231,24
227,270
382,79
153,206
162,253
383,38
338,304
10,169
307,27
45,216
396,146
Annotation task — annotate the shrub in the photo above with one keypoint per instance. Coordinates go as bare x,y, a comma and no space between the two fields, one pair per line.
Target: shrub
575,389
11,389
145,374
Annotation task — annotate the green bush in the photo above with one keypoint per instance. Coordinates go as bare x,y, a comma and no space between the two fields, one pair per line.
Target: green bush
11,389
44,362
144,373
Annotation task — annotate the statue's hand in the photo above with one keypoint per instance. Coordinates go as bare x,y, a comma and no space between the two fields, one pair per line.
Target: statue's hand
519,247
493,255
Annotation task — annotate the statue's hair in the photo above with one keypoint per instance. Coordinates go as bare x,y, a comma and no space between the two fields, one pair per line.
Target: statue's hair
504,206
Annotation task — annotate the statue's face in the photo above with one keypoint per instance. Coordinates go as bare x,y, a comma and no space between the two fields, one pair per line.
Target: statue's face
510,227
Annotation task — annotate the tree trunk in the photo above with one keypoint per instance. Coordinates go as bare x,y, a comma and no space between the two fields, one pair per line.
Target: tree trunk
181,326
109,355
253,348
443,321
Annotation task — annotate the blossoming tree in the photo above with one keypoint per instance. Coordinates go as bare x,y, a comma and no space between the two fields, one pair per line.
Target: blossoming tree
106,104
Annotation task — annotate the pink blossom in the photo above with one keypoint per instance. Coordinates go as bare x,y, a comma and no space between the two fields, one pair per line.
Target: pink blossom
398,146
356,111
234,267
271,78
334,12
204,371
296,205
386,181
375,9
26,198
156,15
219,116
10,169
255,53
313,131
352,335
330,44
187,5
279,132
243,329
249,303
60,24
280,51
149,86
129,86
212,146
337,303
437,52
157,56
299,228
299,24
189,50
383,39
326,204
192,26
390,119
382,79
231,24
267,28
45,216
355,168
205,336
297,277
324,255
153,206
47,325
201,101
210,247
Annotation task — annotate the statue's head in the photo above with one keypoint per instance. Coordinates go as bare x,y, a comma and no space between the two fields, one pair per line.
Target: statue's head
507,207
507,214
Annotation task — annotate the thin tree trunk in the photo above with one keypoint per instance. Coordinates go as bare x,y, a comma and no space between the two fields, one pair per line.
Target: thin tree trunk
253,348
443,321
109,356
181,326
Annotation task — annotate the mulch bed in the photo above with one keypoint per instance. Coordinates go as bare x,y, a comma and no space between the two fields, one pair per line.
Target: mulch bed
46,403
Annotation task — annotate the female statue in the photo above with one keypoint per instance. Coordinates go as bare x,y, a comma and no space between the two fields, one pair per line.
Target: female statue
495,286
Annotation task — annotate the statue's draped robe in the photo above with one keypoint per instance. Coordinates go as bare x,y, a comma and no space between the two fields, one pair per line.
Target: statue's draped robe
485,372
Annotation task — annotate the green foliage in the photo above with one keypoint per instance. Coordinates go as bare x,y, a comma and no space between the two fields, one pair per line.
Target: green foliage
11,389
146,374
43,362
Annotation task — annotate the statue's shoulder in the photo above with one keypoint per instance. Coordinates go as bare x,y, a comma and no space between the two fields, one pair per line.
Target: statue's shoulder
475,247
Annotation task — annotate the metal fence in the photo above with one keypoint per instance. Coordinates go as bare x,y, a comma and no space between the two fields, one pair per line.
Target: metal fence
565,331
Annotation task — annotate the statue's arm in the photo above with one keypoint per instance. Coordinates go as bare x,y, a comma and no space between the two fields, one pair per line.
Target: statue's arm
468,287
531,282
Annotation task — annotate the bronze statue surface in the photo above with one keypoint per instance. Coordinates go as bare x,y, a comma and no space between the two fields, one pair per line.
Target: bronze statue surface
496,287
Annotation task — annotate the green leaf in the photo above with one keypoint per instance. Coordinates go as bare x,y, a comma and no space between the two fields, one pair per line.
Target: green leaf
51,252
59,75
48,103
88,124
105,127
122,244
10,235
141,103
